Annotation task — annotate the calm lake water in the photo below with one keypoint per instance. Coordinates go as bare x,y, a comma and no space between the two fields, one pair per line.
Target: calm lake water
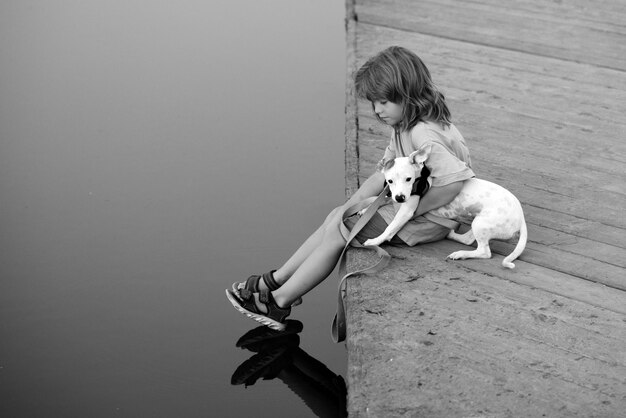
152,153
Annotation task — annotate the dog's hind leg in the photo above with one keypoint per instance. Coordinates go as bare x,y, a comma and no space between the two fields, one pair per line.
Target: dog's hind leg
482,251
481,231
466,238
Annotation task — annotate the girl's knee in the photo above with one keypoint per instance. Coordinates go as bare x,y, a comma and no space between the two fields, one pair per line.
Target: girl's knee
333,236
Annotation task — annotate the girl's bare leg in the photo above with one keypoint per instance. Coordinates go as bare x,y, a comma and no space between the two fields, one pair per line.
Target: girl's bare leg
306,249
315,267
282,274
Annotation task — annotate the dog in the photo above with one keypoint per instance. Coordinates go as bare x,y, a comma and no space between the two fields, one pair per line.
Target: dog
493,211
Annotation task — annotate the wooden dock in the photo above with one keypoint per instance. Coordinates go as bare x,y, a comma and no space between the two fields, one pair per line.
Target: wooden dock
538,89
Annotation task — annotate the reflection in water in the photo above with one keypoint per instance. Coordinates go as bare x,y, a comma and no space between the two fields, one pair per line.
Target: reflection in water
278,355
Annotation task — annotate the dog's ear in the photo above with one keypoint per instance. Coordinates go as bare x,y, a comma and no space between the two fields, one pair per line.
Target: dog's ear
421,155
388,164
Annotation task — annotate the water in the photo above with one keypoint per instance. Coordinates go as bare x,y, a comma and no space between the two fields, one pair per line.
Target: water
152,153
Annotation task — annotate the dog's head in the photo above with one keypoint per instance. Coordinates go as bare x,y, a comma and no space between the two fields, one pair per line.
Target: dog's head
401,173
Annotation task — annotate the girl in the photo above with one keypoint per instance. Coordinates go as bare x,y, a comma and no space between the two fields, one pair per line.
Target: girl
403,96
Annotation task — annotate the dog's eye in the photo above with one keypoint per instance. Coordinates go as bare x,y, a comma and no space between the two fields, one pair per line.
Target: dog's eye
389,181
409,179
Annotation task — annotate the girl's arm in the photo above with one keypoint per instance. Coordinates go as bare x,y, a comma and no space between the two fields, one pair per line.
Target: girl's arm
438,196
371,187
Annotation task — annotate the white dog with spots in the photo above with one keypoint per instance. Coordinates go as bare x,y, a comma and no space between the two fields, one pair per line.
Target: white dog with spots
493,211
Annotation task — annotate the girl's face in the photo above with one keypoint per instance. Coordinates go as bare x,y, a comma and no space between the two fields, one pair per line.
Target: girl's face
389,112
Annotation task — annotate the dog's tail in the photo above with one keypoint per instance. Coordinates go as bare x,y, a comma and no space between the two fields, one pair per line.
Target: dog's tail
521,244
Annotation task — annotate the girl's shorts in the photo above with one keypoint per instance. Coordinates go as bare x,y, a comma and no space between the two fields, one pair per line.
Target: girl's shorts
418,230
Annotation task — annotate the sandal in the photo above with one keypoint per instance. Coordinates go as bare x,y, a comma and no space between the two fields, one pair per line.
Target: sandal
275,316
252,284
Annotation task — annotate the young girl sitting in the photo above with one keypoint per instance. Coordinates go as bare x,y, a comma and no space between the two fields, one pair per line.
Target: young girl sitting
403,96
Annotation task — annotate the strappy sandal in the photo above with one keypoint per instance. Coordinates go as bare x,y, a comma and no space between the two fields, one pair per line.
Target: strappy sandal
252,284
275,316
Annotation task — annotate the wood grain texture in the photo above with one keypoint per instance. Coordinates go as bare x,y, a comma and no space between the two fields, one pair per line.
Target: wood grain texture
538,89
586,32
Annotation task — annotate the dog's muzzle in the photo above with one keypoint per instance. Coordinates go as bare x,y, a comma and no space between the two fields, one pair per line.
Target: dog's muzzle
400,198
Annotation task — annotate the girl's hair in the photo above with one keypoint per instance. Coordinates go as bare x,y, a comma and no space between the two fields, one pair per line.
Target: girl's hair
399,76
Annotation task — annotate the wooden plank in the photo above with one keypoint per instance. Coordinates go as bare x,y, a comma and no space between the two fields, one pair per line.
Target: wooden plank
575,265
574,31
577,227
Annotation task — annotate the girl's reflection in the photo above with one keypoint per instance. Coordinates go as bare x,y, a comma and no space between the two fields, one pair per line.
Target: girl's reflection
278,355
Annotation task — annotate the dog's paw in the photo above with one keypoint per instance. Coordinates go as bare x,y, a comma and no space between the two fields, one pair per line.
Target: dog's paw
373,242
458,255
362,211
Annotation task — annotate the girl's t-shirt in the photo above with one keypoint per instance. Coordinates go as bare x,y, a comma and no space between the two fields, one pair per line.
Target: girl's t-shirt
449,160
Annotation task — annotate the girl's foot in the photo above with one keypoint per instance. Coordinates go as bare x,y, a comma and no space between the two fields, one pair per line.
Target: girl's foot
260,307
256,283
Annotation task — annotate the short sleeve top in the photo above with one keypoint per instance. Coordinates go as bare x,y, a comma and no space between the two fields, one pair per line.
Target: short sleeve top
449,160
